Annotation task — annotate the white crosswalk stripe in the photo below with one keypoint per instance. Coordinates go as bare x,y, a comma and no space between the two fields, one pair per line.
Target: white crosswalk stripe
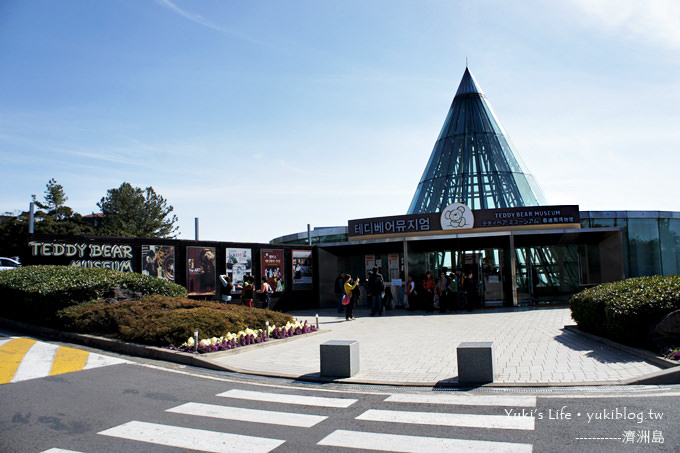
464,399
191,438
59,450
417,444
289,399
446,419
249,415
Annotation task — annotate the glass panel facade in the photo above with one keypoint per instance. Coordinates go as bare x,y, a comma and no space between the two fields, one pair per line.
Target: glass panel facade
473,162
669,236
644,252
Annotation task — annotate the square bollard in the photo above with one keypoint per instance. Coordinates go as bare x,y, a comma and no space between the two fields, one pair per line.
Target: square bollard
340,358
475,362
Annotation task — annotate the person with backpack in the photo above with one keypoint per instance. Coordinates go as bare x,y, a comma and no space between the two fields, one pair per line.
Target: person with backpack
376,285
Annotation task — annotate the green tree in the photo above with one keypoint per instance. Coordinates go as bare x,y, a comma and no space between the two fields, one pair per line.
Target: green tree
55,201
54,217
133,212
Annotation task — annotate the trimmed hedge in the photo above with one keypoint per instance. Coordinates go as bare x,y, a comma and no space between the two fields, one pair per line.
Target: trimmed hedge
71,298
36,293
627,311
163,321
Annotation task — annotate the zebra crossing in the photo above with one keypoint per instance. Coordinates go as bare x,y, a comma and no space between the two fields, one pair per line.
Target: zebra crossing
443,410
22,359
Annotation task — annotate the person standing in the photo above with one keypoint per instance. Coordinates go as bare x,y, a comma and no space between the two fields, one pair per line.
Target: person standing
376,285
264,293
227,288
443,292
428,288
340,290
453,292
349,289
247,289
409,291
470,290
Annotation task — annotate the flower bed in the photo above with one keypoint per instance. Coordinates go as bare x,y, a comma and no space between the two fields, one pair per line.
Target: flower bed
672,353
244,338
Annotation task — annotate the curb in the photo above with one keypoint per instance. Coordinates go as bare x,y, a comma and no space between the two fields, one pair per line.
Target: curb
668,376
648,356
143,351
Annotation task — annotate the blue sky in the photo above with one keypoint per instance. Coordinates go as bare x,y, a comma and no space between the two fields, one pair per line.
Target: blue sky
260,117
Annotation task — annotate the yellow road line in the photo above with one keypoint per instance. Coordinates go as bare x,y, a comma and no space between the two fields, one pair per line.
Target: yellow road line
67,360
11,355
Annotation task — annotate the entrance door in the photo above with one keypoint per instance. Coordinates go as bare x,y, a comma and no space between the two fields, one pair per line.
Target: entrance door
487,271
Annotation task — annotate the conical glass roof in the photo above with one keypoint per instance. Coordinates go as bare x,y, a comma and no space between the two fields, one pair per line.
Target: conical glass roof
473,161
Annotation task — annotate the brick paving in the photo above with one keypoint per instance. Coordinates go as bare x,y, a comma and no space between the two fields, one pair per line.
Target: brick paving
530,347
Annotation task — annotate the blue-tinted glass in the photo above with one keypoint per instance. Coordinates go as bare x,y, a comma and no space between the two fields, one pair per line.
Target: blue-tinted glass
597,223
644,251
669,233
473,162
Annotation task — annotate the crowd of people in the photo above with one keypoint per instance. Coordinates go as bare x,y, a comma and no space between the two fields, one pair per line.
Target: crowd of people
248,291
449,292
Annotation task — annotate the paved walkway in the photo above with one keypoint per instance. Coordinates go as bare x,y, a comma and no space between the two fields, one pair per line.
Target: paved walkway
531,347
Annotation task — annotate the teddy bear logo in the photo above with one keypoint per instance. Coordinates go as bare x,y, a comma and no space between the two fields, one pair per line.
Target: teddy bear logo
456,216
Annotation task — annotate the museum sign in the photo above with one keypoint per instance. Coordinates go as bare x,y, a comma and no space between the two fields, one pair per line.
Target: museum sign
459,217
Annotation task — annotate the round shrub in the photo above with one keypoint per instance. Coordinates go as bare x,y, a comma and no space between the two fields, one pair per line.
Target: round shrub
587,309
627,311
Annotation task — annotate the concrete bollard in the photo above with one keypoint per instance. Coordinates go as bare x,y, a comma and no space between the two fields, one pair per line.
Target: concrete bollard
339,358
475,362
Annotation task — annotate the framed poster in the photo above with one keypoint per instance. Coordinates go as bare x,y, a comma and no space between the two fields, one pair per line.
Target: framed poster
272,267
302,269
201,274
393,263
239,264
159,261
369,262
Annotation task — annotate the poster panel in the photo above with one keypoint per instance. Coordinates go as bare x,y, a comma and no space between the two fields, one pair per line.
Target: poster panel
239,264
201,274
272,267
393,262
369,262
159,261
302,269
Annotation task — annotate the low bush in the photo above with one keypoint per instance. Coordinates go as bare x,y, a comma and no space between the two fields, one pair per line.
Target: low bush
74,298
627,311
162,320
37,293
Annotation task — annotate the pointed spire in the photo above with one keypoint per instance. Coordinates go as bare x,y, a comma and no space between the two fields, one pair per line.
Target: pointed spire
468,84
473,161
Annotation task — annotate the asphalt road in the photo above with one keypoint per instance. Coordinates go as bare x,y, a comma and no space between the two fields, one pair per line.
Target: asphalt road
133,405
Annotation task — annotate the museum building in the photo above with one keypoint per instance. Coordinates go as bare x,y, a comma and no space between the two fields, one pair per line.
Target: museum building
477,209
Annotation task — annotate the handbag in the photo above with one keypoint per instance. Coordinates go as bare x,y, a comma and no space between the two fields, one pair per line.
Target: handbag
346,299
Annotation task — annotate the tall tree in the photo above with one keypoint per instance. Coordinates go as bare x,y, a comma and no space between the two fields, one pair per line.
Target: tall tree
54,217
55,201
133,212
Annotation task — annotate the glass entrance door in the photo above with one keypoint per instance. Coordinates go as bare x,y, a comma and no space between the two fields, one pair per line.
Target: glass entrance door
485,267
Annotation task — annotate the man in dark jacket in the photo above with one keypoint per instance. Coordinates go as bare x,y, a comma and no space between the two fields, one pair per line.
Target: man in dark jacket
340,290
376,285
